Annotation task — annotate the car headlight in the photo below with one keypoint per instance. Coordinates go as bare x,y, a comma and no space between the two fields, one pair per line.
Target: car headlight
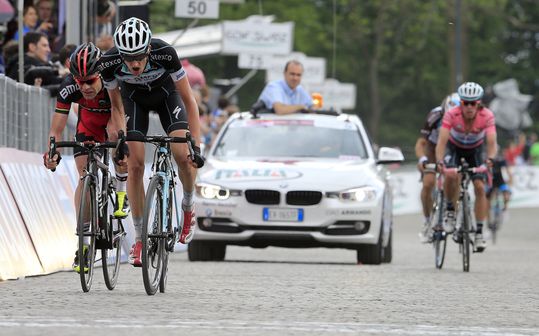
211,191
362,194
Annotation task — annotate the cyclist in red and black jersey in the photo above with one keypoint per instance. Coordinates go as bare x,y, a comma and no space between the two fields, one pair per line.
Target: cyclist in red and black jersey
151,78
84,87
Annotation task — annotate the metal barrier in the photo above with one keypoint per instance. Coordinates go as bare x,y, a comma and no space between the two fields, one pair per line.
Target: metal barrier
25,115
25,118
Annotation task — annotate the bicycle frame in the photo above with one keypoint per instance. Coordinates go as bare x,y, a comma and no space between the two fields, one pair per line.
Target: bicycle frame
95,194
464,209
162,167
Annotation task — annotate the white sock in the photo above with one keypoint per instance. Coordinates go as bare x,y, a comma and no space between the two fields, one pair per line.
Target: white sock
187,201
86,229
137,222
121,181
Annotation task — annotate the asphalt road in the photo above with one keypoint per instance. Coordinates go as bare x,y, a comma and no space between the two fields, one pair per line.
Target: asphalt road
279,291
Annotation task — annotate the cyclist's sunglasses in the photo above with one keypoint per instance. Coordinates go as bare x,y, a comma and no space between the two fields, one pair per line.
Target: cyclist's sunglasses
470,103
89,81
134,58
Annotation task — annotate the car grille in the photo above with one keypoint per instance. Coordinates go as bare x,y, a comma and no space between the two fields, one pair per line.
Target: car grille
303,197
260,196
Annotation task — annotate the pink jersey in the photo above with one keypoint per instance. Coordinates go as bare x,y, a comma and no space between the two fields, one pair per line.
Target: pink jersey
483,124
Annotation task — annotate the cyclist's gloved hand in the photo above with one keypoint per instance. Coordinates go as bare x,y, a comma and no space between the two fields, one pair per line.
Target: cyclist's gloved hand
440,165
121,153
51,163
197,158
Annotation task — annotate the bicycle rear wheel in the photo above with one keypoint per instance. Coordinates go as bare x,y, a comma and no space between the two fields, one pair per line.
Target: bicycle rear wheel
86,230
496,216
153,237
111,257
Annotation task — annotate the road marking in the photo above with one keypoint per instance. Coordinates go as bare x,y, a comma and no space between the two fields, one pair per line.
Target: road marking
373,328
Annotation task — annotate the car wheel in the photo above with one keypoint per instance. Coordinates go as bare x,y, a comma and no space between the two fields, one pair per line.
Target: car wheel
370,254
206,251
388,250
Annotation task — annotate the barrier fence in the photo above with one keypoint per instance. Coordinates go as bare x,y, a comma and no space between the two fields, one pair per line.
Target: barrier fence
37,213
25,115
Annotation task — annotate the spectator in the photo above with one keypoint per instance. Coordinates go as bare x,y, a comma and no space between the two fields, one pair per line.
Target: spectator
534,152
514,150
10,50
45,10
104,42
531,139
286,96
63,59
195,75
37,68
30,23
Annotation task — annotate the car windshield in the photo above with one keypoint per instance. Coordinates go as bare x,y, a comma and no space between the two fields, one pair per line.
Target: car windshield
291,138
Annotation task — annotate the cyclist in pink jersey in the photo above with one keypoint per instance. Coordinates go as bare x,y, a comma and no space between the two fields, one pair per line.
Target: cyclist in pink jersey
466,132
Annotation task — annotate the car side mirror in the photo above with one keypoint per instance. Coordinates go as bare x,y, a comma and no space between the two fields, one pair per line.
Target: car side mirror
388,155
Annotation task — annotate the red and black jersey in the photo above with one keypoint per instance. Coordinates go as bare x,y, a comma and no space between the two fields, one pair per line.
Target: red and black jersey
69,92
94,114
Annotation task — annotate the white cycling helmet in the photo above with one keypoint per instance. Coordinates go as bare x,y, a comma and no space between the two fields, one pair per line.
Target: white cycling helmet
451,101
132,37
470,91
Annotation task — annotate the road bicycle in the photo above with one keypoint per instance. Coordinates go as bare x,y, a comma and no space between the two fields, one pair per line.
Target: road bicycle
159,233
439,236
465,227
97,229
495,217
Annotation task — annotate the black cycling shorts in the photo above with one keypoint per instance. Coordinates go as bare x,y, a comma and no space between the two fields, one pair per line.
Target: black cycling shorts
164,100
474,157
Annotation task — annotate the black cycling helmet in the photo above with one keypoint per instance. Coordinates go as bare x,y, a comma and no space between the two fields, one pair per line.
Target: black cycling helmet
83,61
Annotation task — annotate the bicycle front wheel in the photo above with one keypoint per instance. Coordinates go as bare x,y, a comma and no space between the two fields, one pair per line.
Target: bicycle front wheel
466,242
87,230
153,237
439,236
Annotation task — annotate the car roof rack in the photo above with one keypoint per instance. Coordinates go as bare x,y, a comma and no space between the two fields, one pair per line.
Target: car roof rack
260,107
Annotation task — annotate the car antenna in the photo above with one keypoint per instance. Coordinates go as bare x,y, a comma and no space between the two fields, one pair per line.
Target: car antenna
259,105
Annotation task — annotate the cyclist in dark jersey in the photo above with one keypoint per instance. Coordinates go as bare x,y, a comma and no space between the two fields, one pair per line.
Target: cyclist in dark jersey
84,87
499,167
425,152
151,78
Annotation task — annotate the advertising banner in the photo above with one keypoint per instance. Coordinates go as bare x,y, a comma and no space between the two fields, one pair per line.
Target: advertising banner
18,257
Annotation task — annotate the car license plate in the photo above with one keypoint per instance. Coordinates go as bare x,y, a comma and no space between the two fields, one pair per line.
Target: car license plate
282,215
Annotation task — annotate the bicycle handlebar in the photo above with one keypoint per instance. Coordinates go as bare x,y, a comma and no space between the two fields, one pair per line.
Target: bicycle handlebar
157,140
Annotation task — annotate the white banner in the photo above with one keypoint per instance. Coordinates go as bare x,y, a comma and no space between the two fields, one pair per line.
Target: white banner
257,37
335,94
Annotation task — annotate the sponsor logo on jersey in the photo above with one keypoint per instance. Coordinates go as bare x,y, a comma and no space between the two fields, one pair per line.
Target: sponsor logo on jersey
176,112
143,78
68,90
108,64
161,57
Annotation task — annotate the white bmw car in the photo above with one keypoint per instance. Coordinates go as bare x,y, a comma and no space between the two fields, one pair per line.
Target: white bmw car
301,180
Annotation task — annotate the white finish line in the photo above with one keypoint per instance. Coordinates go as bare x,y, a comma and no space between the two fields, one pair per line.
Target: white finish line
372,328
